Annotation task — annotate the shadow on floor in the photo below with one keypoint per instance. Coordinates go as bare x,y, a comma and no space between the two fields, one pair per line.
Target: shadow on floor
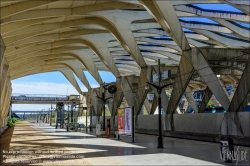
5,140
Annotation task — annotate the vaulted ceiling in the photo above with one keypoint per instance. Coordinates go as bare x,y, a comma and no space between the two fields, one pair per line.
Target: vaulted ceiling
120,36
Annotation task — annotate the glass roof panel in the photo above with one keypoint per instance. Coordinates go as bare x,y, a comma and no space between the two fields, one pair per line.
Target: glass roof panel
219,7
198,19
243,24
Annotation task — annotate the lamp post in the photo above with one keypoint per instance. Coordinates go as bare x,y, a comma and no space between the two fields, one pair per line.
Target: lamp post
159,90
111,89
104,101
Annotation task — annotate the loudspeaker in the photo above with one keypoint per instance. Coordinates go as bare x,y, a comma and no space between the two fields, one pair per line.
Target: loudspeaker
112,89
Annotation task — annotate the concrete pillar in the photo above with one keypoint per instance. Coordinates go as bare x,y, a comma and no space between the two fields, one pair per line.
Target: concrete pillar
183,76
240,98
2,49
226,92
232,93
147,105
6,101
117,100
95,101
184,73
190,98
99,44
185,106
141,93
215,101
206,97
5,95
179,111
70,77
4,83
82,104
76,67
154,105
204,70
164,98
127,85
98,104
85,56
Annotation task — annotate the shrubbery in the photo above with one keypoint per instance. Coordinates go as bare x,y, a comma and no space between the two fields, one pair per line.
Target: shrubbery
12,121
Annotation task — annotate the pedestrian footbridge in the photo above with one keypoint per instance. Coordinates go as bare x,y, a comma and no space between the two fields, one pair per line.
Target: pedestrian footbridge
38,99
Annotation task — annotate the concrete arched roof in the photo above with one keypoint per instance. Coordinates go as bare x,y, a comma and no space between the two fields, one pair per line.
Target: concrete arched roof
117,36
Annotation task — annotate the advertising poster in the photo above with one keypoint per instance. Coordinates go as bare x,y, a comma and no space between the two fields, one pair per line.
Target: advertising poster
128,121
120,119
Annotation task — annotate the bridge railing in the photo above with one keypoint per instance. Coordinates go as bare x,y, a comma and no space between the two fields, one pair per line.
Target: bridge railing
38,97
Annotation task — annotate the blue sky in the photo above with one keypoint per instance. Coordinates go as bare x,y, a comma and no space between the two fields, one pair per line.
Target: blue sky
51,83
221,7
56,83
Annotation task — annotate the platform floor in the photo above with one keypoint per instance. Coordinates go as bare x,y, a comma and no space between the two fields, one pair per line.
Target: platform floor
110,151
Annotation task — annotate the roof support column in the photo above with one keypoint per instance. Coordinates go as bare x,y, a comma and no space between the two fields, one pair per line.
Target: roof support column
89,100
215,101
100,103
97,104
94,100
117,100
99,44
232,93
202,67
127,88
7,100
240,97
86,58
190,98
5,96
82,104
185,106
70,76
2,81
165,15
147,105
206,97
184,73
76,68
183,76
164,98
154,105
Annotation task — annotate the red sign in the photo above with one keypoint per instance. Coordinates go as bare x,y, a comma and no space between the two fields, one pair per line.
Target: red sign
120,125
120,119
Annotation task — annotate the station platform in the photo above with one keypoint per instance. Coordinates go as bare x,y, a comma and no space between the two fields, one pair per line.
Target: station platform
110,151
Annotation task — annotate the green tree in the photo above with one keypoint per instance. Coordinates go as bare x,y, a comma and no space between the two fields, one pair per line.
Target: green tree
107,112
145,112
210,104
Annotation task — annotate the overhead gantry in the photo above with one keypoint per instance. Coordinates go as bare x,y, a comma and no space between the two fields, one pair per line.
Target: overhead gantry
127,38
